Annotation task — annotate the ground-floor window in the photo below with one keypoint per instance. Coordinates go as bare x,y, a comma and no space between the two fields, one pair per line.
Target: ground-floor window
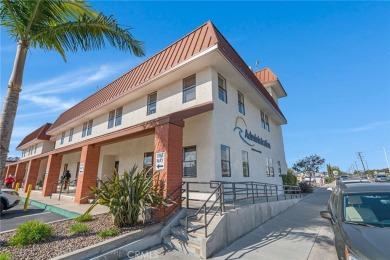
225,161
269,167
148,162
245,164
189,161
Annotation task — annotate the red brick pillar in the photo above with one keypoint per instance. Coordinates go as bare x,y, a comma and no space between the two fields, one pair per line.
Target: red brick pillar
89,163
20,172
168,138
52,174
32,174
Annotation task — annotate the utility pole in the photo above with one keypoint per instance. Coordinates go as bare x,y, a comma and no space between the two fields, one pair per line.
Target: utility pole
384,151
360,156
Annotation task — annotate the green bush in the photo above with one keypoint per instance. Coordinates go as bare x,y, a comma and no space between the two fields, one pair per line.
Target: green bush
78,228
305,188
128,195
110,232
5,256
31,232
289,179
84,218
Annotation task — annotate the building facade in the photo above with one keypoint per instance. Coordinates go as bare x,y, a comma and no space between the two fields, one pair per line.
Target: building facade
195,112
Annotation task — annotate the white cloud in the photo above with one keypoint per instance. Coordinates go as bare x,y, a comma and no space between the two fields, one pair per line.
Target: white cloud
370,126
52,102
22,131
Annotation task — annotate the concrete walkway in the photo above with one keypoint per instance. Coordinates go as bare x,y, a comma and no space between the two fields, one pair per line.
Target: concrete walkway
65,203
297,233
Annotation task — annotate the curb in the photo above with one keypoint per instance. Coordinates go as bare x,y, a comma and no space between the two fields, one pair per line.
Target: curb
57,210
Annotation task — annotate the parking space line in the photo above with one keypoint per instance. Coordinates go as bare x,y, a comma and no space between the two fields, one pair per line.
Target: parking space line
46,212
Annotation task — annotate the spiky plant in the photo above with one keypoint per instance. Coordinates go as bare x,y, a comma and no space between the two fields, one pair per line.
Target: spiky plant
129,195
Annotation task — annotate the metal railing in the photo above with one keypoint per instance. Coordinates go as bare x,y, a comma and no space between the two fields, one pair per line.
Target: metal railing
216,195
55,185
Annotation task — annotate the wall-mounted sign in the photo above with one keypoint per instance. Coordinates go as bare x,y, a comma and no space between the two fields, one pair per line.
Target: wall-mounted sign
81,169
247,136
160,161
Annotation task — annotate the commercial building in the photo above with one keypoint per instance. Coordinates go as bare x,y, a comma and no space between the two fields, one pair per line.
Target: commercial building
194,111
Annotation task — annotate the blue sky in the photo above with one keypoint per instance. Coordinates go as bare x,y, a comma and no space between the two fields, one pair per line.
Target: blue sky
333,59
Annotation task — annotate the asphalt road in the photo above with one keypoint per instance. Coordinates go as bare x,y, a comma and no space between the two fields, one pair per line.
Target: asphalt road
12,218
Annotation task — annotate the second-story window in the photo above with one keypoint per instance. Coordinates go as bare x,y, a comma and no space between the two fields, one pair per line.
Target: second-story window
84,133
118,117
222,94
35,148
89,130
71,135
152,102
189,88
241,105
111,119
264,121
62,137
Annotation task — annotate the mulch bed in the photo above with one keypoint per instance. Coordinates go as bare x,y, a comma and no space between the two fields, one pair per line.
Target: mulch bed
62,241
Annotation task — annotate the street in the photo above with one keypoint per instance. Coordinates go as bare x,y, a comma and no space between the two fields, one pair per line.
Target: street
12,218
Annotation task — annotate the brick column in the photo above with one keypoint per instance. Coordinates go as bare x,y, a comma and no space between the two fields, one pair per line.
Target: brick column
168,138
20,172
52,173
32,174
89,163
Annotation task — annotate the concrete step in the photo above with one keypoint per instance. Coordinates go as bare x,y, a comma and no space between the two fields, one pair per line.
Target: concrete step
181,245
180,233
64,196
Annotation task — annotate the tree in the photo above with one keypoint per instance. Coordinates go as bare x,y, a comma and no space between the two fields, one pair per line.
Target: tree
53,25
309,164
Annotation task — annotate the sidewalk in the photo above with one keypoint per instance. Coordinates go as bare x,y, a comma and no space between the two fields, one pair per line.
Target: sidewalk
295,234
64,204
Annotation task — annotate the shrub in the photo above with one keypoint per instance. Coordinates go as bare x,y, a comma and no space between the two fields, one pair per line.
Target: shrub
110,232
84,218
31,232
305,188
5,256
289,179
78,228
129,195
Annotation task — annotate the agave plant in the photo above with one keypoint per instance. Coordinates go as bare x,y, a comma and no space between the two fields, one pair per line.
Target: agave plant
129,195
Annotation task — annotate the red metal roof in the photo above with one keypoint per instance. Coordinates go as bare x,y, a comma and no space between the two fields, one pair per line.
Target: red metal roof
200,39
266,75
39,134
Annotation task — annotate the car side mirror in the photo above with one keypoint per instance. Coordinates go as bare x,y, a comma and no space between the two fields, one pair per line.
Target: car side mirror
330,189
326,215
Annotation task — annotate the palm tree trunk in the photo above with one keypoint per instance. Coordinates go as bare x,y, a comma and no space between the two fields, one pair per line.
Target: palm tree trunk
10,105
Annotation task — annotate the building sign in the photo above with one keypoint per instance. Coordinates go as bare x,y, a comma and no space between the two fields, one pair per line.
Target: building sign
160,161
81,169
247,136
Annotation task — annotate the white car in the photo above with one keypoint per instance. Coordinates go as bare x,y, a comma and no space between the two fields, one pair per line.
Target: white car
9,198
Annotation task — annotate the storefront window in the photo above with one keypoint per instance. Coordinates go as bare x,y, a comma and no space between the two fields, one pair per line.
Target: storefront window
225,160
189,162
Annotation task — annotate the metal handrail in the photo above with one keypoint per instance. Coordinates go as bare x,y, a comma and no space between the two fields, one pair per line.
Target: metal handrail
205,211
51,190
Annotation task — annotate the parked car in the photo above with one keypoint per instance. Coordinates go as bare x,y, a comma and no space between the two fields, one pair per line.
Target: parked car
360,217
381,177
9,198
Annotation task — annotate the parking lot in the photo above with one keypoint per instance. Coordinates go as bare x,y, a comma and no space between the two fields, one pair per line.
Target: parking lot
12,218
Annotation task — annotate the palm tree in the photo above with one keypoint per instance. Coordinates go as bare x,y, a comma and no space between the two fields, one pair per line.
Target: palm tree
59,25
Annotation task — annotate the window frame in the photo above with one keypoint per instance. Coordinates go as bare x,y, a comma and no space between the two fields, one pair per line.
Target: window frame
245,164
84,132
111,119
222,89
187,89
241,104
62,138
225,161
89,128
118,116
150,103
70,137
194,161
